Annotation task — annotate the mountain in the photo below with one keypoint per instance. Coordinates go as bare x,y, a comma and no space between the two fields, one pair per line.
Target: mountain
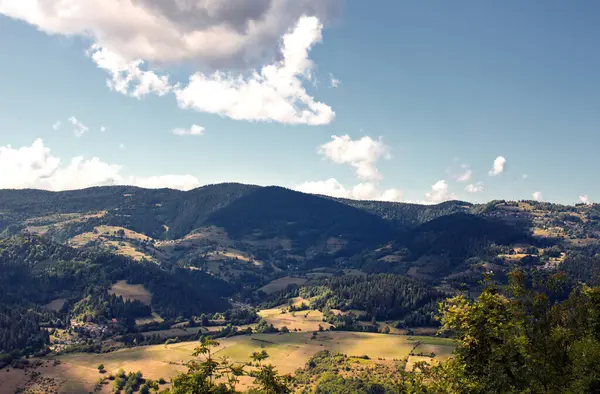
248,234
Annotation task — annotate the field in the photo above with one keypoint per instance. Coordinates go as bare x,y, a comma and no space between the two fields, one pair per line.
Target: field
77,372
131,292
301,320
281,283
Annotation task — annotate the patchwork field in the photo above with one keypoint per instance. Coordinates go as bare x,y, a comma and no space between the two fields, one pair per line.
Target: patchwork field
78,373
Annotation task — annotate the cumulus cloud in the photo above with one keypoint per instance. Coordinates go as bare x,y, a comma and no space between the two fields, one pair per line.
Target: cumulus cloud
128,77
440,192
475,187
36,167
132,39
537,196
79,129
362,154
498,167
56,125
362,191
194,130
215,33
334,82
275,93
584,199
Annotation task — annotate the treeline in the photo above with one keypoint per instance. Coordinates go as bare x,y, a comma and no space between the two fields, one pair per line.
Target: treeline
379,296
20,333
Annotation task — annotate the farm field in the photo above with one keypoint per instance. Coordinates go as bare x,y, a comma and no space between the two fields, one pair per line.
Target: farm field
77,373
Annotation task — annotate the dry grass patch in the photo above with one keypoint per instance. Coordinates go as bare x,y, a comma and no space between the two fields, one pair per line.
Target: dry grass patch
55,305
131,292
300,320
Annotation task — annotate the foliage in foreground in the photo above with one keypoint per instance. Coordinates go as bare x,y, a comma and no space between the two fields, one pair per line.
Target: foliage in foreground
510,340
209,375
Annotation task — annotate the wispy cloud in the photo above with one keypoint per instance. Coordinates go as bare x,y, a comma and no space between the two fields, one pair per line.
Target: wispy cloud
79,129
193,130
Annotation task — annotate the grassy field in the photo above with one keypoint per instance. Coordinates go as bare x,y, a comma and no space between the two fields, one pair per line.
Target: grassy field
281,283
131,292
77,373
301,320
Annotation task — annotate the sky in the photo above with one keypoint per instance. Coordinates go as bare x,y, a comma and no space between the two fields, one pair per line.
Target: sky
414,101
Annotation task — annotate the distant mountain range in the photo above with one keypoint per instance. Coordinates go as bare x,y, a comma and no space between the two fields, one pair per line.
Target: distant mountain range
287,230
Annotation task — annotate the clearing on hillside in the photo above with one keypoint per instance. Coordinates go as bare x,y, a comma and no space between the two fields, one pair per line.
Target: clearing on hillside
56,305
282,283
131,292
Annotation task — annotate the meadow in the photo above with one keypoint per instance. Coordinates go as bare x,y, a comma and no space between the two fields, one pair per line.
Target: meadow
75,373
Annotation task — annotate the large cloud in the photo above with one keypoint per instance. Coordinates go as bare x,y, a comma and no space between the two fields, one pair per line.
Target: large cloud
130,38
273,94
218,33
35,167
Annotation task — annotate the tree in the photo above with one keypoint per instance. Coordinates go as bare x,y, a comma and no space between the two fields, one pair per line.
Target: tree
208,375
101,368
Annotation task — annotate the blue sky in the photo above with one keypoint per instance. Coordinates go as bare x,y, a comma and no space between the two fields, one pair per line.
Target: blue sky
430,94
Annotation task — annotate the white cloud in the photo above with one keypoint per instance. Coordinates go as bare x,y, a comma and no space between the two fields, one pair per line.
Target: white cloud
56,125
334,82
362,191
537,196
127,77
122,146
440,192
79,129
131,39
215,33
35,167
524,176
275,93
194,130
498,168
362,154
102,129
584,199
475,187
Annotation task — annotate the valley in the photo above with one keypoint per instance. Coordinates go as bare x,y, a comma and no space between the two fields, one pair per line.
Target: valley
132,278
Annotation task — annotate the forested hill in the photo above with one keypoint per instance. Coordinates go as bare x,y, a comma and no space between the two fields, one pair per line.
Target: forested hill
183,211
35,271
